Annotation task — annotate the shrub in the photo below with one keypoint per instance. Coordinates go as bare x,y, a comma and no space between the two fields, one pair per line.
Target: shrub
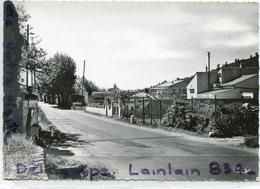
185,115
252,141
233,119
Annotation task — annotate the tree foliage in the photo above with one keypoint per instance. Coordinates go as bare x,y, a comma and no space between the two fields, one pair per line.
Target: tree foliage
90,86
32,54
57,79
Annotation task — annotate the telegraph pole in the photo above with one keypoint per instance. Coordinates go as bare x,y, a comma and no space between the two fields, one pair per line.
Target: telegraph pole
28,129
27,47
27,64
208,69
83,83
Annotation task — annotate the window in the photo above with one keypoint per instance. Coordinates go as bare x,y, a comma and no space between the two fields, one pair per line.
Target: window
184,91
247,95
192,91
179,90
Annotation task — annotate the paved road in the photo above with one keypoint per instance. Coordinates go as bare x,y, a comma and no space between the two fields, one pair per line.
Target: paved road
101,142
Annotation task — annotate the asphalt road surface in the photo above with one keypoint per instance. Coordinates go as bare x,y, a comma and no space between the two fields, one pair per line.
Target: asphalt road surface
135,152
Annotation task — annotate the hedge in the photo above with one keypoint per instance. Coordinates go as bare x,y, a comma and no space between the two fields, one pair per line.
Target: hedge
228,119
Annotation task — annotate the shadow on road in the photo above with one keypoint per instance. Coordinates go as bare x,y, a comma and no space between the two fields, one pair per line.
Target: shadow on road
53,140
56,151
58,107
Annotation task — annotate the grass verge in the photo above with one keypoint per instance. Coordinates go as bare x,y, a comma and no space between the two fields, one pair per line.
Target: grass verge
23,159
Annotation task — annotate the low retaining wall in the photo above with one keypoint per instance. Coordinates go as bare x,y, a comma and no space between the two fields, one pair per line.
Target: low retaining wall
101,111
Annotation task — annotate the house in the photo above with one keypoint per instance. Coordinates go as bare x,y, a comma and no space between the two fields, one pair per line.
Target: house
170,89
99,97
200,83
136,100
226,82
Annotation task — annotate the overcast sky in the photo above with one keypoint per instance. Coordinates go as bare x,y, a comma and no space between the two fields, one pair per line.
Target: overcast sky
136,45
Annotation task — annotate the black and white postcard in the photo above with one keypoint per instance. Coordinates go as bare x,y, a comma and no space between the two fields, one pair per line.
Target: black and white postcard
149,91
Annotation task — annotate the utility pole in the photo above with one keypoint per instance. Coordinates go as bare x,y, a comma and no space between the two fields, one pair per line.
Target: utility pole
209,69
28,119
83,83
27,48
27,64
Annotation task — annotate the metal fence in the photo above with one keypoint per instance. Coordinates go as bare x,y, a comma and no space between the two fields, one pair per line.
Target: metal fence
150,111
146,111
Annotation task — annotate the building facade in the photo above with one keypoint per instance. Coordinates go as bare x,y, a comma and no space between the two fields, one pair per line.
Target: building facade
227,83
170,89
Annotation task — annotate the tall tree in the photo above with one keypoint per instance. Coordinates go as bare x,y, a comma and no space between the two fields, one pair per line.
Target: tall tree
58,79
32,55
91,87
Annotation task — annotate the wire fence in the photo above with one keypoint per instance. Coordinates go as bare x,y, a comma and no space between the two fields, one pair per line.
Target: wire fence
150,111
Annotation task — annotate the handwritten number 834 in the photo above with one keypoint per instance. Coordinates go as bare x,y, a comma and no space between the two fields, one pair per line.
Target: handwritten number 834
215,169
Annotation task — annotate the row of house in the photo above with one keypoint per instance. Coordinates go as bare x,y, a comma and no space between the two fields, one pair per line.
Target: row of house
231,81
236,80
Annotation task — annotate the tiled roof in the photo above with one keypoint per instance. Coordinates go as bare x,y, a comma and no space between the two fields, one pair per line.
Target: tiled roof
142,94
238,80
168,84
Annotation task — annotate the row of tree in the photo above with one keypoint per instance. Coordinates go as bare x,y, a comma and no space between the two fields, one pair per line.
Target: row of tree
54,76
56,80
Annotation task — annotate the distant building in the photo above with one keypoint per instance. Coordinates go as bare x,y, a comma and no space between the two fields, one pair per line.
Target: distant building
143,95
170,89
226,82
200,83
99,97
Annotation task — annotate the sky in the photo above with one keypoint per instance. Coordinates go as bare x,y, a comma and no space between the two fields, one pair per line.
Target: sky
136,45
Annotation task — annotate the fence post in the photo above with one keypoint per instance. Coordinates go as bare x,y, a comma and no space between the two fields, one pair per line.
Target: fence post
28,123
106,106
192,104
143,112
119,108
135,106
215,109
151,112
160,110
